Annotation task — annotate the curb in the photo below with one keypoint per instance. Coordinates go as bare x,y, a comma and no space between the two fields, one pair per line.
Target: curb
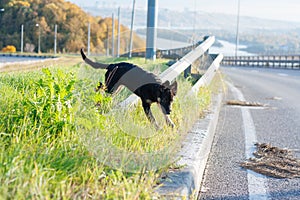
185,183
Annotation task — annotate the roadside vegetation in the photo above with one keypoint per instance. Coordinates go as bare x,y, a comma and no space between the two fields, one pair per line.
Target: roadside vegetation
59,139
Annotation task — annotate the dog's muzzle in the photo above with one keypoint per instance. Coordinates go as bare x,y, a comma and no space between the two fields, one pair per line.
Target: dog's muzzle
100,86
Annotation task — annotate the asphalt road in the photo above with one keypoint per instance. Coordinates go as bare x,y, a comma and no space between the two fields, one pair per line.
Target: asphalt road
240,127
9,59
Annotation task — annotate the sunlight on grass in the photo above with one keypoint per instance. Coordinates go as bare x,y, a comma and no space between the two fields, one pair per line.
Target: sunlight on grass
61,140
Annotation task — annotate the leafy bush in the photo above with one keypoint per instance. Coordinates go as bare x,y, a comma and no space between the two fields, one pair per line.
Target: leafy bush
9,49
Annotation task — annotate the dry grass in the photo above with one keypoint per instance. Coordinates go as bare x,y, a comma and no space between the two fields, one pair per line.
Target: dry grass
274,162
243,103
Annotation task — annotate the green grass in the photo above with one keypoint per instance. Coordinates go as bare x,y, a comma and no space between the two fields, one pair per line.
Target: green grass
56,144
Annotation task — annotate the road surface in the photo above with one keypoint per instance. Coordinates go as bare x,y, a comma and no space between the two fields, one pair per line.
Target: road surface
240,127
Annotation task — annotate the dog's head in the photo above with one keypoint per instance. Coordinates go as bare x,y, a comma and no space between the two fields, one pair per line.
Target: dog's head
165,96
99,87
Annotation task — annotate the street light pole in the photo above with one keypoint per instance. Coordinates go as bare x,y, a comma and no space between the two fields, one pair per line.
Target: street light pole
131,30
39,42
89,39
22,33
118,40
55,38
237,31
113,36
2,9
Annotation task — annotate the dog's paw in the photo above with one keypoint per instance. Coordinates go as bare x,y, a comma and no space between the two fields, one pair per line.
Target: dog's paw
169,121
171,124
157,127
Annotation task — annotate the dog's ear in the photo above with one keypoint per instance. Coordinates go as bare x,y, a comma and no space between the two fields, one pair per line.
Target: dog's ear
166,84
173,88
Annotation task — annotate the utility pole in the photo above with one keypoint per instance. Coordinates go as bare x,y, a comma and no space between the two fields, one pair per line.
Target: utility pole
118,42
22,37
55,38
113,36
39,40
151,30
107,42
237,31
89,38
131,30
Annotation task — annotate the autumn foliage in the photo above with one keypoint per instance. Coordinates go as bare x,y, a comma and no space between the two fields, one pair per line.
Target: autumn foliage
9,49
72,31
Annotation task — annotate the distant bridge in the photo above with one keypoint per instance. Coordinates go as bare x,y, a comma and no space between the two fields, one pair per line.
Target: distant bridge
268,61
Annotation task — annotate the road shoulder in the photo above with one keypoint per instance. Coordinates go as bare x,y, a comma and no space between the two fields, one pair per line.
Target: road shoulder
185,183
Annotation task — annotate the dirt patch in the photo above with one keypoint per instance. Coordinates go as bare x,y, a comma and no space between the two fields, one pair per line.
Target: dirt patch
243,103
274,162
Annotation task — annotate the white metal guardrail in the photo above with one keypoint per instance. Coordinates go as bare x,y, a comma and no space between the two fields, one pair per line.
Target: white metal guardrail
177,68
209,74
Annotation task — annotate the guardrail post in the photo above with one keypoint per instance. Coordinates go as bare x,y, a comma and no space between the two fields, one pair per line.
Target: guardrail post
187,71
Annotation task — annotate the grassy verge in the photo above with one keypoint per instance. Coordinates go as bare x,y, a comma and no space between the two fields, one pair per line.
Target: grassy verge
61,140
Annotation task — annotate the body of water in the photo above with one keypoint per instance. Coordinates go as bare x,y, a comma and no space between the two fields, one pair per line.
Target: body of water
227,49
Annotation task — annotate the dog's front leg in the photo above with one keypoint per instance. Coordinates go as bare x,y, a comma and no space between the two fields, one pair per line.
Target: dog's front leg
169,121
149,115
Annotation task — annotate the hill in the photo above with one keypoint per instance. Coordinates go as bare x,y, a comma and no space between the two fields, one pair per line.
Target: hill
39,18
261,36
191,19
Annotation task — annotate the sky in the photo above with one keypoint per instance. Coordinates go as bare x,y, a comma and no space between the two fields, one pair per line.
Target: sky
288,10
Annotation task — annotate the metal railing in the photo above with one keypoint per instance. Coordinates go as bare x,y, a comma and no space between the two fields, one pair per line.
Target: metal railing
269,61
175,53
182,64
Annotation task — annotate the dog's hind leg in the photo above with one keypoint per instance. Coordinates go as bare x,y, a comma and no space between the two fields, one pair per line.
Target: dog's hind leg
149,114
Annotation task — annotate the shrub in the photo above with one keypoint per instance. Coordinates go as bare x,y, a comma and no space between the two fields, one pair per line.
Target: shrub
9,49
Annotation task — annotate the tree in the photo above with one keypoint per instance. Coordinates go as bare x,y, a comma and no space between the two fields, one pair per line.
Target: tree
72,25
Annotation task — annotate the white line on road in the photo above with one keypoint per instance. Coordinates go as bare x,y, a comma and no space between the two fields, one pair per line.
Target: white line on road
282,74
256,182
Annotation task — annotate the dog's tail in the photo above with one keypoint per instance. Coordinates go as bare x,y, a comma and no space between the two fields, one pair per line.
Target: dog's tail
95,65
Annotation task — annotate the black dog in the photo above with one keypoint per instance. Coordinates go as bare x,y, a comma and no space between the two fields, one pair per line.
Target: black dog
144,84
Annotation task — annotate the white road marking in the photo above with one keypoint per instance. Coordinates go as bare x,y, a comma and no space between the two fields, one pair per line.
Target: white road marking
256,182
282,74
